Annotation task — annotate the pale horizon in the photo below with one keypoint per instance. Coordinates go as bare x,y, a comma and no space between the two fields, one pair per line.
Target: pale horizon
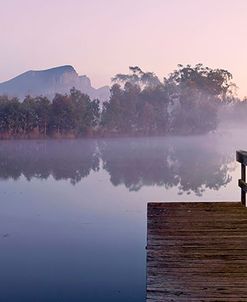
100,39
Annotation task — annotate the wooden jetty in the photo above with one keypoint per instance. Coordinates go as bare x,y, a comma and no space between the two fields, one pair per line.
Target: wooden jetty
198,251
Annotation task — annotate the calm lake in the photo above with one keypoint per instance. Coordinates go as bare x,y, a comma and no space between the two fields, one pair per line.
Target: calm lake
73,212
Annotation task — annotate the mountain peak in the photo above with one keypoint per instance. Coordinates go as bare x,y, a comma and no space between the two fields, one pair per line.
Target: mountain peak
63,68
48,82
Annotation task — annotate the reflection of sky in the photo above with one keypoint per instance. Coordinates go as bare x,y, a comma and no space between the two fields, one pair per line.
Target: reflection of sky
65,242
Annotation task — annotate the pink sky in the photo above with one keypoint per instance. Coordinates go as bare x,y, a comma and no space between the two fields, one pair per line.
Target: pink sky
103,37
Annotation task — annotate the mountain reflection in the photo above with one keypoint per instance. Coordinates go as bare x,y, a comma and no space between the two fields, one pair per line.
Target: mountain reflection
190,164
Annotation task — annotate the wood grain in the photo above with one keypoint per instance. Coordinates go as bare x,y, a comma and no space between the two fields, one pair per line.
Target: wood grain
197,252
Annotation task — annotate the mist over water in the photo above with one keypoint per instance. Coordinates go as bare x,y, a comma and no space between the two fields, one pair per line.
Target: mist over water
191,164
73,212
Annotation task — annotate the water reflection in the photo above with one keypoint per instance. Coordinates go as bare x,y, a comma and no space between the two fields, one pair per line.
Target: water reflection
86,241
190,164
71,160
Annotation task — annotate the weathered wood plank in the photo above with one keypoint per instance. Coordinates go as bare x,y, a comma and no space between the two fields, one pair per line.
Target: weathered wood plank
196,252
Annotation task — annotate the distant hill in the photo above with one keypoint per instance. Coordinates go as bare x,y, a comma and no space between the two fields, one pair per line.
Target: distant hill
48,82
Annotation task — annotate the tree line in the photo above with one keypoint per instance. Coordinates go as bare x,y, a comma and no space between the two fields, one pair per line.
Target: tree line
68,115
187,102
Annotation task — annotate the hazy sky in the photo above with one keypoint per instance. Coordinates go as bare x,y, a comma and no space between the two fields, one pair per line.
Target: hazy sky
103,37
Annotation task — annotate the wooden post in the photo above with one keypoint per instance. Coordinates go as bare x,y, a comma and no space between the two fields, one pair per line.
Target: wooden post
243,178
241,157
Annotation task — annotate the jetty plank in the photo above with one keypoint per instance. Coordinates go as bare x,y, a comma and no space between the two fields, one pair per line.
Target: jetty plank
196,252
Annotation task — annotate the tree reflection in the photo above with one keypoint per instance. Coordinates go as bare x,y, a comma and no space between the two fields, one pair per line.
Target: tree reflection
191,164
62,159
